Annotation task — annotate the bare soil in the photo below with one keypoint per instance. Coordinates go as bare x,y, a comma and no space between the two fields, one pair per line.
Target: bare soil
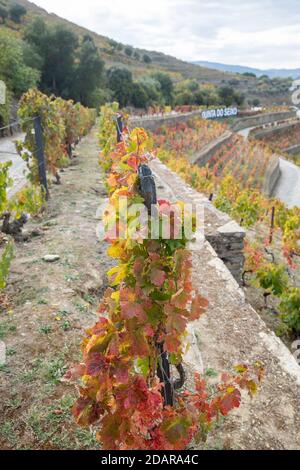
51,304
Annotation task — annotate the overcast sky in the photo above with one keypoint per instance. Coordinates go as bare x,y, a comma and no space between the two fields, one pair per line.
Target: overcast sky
257,33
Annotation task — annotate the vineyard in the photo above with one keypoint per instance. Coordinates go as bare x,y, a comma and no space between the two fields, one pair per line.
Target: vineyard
284,140
245,161
121,382
149,231
233,180
63,125
142,315
188,138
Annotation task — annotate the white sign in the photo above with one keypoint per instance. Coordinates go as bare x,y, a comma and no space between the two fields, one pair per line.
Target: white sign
219,113
2,92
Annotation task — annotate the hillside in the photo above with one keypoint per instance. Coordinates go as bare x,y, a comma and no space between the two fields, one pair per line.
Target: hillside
177,68
271,73
263,90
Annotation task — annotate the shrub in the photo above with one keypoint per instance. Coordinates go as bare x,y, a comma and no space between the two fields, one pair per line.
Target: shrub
147,59
16,12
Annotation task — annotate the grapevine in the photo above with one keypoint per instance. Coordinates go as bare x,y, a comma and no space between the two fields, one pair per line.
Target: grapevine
63,123
149,302
234,177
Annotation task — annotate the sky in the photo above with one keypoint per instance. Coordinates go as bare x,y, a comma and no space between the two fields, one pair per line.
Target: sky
256,33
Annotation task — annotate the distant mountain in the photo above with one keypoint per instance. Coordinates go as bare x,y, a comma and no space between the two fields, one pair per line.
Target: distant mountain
272,73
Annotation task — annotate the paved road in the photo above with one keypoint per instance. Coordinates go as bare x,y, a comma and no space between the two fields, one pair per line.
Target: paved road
288,187
245,132
18,169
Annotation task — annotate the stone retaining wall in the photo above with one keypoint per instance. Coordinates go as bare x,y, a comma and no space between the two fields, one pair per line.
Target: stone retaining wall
293,150
277,130
272,176
210,149
261,119
223,233
151,123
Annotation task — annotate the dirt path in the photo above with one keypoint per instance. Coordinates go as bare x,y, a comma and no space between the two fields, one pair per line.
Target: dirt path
51,305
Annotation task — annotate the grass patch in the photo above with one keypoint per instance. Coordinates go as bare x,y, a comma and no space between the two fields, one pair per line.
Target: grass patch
7,432
45,329
6,327
55,370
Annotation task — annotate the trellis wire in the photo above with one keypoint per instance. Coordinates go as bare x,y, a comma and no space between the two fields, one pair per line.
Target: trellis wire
17,123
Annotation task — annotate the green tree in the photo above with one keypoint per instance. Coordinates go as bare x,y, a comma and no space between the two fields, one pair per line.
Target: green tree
239,98
113,44
3,13
188,92
120,82
88,74
166,86
56,45
152,89
128,51
249,74
226,94
18,76
5,110
100,96
147,59
193,85
67,70
199,98
16,12
139,97
59,60
32,57
184,97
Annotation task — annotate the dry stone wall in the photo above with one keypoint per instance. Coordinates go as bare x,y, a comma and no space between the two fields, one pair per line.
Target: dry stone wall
259,120
223,233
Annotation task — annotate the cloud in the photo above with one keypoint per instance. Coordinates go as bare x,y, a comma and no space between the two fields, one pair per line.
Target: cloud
258,33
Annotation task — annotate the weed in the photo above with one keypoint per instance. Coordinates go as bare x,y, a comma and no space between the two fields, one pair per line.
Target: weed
81,308
45,329
8,432
55,370
11,352
5,328
211,372
66,326
89,299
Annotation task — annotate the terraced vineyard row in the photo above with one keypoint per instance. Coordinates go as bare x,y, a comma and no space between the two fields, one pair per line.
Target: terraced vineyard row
188,138
246,161
283,140
233,179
